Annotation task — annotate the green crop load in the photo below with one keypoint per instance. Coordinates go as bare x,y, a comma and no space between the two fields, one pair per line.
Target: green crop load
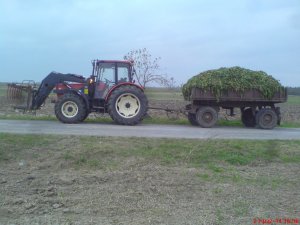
234,78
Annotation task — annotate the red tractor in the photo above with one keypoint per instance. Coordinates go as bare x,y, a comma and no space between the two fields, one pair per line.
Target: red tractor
110,89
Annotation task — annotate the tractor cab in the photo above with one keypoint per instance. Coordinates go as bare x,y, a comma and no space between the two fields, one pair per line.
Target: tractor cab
108,74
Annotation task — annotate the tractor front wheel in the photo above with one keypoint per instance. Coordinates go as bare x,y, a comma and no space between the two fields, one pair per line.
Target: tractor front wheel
127,105
70,108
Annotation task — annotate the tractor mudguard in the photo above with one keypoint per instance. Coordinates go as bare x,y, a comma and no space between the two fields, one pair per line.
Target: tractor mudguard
119,85
73,91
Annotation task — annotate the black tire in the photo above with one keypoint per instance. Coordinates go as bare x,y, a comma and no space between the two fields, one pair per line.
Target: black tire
248,119
266,119
127,105
192,118
207,116
278,113
70,108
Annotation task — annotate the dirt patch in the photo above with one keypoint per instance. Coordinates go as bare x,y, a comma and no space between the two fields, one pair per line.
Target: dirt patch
42,186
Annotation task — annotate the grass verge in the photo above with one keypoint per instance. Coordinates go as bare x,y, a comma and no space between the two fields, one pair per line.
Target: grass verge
193,153
293,100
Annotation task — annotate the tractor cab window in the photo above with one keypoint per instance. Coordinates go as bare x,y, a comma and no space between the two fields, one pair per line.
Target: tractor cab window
106,74
122,74
106,79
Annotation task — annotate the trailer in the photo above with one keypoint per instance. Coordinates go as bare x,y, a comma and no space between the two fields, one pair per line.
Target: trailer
256,110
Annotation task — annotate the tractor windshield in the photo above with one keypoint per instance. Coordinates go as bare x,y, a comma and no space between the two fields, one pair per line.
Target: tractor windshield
114,73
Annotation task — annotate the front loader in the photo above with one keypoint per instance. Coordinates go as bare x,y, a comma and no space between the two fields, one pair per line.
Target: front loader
110,89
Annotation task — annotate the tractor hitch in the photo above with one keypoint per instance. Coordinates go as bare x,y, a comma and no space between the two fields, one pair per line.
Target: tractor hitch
171,113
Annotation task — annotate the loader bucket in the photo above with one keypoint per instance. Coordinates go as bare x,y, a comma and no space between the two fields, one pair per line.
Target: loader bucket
20,95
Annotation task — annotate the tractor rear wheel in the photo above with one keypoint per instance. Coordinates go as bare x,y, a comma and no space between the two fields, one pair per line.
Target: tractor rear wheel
70,108
85,116
127,105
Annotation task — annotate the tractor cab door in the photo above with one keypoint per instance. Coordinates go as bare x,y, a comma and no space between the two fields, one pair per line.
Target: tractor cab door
106,77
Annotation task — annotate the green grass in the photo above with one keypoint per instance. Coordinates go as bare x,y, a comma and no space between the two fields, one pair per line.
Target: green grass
295,124
96,151
13,145
293,100
26,117
217,161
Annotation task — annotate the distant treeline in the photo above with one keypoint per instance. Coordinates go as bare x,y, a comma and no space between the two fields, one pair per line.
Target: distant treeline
293,90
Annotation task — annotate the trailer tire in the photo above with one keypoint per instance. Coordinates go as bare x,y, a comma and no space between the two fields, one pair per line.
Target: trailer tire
127,105
70,108
248,119
207,116
192,118
278,113
266,119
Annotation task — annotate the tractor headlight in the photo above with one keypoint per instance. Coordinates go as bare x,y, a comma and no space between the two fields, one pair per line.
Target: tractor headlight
90,81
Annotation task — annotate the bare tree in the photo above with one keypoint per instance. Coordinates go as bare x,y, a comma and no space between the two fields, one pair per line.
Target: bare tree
147,68
171,83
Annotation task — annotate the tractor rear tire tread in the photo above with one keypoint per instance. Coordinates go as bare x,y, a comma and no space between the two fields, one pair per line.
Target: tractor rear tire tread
111,105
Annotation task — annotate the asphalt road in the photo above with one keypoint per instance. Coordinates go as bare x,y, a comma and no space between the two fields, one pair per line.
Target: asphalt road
145,130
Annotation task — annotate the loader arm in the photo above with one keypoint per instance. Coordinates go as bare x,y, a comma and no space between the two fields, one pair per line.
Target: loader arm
39,96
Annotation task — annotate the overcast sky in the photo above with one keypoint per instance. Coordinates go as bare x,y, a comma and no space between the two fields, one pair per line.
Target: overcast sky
40,36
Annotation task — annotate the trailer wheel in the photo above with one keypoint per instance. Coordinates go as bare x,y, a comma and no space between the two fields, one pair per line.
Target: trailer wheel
70,108
207,116
248,119
192,118
266,118
127,105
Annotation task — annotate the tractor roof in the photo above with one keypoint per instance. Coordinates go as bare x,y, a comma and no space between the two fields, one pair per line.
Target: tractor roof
116,61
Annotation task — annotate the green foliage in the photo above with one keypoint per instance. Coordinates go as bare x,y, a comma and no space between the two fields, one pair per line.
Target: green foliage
234,78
